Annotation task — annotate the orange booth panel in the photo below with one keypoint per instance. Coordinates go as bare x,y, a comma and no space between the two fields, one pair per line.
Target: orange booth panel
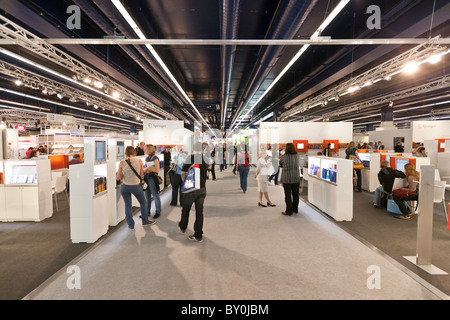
383,157
440,141
301,146
334,145
58,161
401,161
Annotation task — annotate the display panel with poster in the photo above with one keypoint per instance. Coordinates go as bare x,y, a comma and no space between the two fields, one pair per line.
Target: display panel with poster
120,150
100,152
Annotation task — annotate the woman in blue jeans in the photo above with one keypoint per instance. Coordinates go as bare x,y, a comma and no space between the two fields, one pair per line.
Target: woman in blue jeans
151,172
131,184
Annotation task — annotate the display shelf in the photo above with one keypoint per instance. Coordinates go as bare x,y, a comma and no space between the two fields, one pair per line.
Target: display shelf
88,210
116,205
330,186
27,190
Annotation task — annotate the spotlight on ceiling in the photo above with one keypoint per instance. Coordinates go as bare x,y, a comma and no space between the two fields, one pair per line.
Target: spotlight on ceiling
434,59
411,67
116,94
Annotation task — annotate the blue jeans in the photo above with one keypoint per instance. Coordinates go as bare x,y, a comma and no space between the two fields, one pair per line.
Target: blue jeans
126,191
152,191
377,195
243,174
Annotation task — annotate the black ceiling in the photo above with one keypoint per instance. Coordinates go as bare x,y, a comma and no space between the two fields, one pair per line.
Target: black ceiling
203,71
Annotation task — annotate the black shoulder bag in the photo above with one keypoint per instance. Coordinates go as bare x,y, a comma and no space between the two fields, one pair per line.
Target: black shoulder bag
144,184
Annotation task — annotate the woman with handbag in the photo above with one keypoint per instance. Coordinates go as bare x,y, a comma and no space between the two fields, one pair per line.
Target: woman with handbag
409,193
352,153
151,171
131,172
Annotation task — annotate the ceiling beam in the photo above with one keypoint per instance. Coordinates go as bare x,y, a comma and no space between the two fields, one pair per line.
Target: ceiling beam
323,41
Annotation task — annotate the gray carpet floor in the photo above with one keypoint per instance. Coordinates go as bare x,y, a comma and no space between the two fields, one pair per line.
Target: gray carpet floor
248,252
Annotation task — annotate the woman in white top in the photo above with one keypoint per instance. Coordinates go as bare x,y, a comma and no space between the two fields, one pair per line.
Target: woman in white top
131,184
262,175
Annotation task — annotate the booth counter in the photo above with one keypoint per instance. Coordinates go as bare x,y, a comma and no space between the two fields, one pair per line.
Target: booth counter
26,194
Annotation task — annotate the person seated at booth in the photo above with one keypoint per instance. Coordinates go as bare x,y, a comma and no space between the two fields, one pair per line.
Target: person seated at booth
386,176
408,193
75,160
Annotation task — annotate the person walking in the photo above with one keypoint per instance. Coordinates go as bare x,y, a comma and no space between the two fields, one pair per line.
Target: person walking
351,153
167,163
243,164
131,185
151,171
262,173
196,197
290,178
275,163
176,179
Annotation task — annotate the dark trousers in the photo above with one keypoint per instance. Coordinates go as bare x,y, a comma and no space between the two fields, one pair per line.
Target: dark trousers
176,188
166,176
197,197
274,176
358,179
399,201
291,197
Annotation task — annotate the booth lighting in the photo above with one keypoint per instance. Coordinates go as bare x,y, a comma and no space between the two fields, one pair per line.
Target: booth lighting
18,82
116,95
87,80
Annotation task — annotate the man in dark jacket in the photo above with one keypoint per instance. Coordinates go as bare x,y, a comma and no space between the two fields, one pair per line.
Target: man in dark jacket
386,176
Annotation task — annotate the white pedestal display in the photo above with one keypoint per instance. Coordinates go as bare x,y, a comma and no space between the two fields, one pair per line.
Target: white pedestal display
330,186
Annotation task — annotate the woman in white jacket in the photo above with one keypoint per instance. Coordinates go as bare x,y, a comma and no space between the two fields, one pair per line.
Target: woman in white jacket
262,175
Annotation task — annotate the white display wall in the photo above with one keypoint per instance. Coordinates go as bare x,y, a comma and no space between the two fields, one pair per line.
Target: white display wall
430,130
164,132
387,135
314,132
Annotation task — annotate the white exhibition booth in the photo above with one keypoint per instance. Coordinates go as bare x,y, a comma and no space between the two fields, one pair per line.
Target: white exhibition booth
330,180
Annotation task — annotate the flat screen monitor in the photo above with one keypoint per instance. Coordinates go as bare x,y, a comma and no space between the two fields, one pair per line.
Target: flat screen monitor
120,150
331,145
400,164
300,146
100,151
442,145
70,158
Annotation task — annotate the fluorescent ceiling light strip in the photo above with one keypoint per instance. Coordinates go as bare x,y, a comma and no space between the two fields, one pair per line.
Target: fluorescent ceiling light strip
317,33
141,35
24,105
29,62
66,106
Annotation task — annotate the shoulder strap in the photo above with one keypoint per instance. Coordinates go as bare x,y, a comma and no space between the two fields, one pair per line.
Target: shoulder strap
133,169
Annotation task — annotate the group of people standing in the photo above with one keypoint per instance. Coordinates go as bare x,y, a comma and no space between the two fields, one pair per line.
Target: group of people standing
132,172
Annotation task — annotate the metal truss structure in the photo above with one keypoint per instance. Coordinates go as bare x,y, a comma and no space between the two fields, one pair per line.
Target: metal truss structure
384,71
16,34
441,83
38,82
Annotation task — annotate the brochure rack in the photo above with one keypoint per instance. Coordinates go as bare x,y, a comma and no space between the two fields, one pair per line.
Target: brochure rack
89,208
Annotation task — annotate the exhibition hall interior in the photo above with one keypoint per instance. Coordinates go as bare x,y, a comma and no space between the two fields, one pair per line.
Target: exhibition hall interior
352,90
